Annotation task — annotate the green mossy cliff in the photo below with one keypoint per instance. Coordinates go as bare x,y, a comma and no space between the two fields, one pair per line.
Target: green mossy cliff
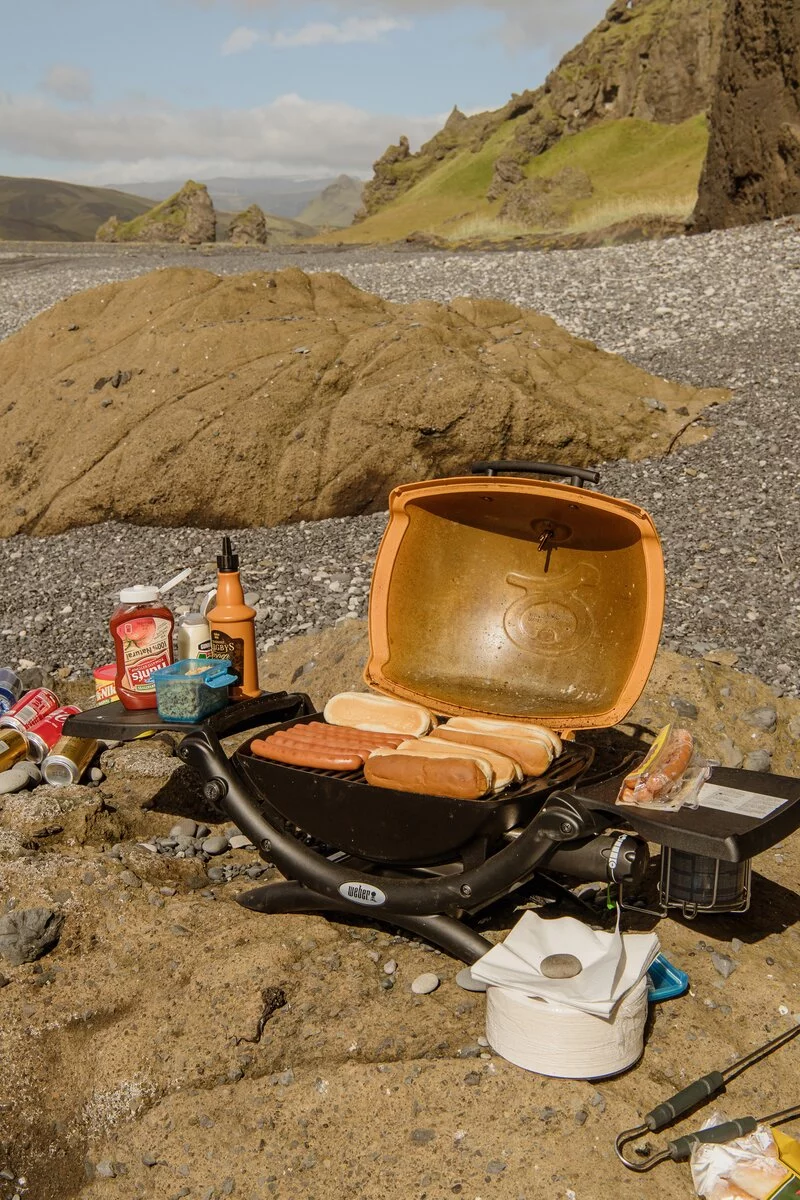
655,60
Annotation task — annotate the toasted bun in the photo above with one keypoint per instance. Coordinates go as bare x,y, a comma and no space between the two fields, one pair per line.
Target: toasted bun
505,769
534,755
381,714
510,728
458,776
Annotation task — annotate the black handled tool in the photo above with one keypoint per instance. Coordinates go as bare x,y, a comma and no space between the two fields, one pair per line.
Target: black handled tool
691,1097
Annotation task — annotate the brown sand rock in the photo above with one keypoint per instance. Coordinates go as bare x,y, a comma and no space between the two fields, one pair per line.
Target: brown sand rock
249,228
752,169
181,397
187,217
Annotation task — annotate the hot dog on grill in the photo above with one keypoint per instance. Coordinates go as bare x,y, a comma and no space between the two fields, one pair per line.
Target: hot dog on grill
365,710
508,729
534,755
320,746
459,776
504,769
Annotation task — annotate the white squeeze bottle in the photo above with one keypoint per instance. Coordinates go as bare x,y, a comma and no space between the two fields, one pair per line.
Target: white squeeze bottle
194,637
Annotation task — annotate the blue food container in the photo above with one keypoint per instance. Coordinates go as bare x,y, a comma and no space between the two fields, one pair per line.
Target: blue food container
192,689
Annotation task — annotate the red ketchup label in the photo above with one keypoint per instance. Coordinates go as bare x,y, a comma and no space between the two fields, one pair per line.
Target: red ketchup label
49,730
145,648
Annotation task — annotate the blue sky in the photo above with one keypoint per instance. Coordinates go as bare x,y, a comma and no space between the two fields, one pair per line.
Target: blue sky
103,90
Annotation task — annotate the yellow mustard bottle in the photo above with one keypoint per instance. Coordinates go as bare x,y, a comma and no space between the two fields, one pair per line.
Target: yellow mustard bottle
233,626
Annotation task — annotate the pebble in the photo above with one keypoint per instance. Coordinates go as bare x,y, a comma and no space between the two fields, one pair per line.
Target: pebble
466,980
13,780
129,879
286,1077
495,1167
388,983
149,1159
186,827
105,1170
215,845
765,718
793,727
424,984
422,1136
34,773
390,967
724,965
598,1101
757,760
240,842
581,1116
96,775
28,933
560,966
684,708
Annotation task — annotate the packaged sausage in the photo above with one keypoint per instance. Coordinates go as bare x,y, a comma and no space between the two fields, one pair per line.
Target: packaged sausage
669,776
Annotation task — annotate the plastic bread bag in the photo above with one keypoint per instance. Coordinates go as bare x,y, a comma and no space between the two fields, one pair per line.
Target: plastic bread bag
754,1167
671,775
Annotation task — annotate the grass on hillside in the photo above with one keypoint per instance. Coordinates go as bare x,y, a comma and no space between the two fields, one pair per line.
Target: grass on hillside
637,169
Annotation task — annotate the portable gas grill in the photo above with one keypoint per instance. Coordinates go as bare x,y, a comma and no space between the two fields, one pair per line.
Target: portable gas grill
497,596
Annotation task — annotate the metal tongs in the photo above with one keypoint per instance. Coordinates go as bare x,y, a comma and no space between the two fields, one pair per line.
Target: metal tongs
698,1093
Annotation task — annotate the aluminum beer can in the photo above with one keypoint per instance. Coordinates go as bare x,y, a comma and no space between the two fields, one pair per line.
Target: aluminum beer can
32,707
13,748
43,736
69,759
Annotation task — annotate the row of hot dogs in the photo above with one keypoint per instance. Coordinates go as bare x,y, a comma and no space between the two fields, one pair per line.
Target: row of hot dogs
401,746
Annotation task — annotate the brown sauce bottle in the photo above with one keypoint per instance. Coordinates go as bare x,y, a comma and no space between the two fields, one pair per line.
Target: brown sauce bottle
233,629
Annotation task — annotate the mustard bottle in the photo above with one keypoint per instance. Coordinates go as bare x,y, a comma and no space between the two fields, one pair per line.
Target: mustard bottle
233,628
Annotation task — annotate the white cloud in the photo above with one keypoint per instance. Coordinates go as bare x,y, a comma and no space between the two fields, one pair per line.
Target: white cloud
241,39
68,83
152,140
556,24
316,33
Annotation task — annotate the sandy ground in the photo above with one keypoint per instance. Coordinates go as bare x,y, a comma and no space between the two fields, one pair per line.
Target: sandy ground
132,1063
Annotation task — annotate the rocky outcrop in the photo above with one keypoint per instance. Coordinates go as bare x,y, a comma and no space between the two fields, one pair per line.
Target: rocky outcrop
249,228
187,217
271,397
752,170
543,203
655,60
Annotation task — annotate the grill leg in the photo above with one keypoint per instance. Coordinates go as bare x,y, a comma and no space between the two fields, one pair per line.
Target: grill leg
448,933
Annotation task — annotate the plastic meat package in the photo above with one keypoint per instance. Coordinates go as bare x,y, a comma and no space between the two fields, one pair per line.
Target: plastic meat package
761,1166
671,775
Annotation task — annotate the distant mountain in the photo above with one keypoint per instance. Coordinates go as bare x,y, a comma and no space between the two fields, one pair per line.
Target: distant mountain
335,207
46,210
283,197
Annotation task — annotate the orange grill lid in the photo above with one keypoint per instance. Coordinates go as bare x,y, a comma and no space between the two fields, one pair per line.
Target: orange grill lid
515,598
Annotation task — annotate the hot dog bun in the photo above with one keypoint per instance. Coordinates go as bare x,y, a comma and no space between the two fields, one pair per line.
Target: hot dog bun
365,710
534,755
458,776
504,769
508,728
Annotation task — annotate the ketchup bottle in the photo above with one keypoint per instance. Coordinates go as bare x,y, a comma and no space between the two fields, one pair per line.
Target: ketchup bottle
142,631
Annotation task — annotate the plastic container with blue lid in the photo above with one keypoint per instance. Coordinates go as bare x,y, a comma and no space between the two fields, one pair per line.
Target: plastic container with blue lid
192,689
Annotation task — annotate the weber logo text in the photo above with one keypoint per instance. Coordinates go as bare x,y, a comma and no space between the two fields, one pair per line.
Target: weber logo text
362,893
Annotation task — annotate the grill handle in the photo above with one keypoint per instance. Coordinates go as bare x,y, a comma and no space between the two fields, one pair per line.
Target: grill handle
576,475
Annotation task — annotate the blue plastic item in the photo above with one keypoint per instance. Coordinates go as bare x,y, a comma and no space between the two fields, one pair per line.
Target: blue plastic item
192,689
665,982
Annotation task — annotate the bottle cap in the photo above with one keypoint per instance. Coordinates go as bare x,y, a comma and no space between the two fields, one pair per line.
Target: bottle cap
227,561
139,594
